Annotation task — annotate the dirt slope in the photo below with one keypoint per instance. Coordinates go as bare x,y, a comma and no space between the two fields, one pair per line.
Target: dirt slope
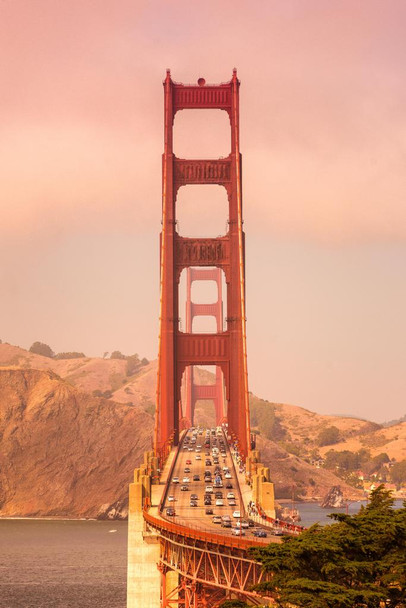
64,452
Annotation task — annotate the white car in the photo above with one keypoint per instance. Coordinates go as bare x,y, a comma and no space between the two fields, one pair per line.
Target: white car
198,457
230,496
237,532
186,480
175,479
227,475
242,524
171,498
219,503
237,514
209,490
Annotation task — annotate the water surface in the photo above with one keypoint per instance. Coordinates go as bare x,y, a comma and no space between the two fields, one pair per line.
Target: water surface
62,564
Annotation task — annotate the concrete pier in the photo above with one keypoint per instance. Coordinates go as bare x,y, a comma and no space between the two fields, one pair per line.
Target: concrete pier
143,576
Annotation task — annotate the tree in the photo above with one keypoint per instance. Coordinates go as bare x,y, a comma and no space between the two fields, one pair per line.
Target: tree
39,348
398,472
117,355
328,436
357,562
70,355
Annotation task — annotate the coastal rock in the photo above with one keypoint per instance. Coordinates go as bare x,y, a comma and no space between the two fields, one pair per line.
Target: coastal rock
65,453
333,499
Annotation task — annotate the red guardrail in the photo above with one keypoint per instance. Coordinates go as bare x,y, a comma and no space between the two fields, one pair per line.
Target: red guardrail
219,539
280,523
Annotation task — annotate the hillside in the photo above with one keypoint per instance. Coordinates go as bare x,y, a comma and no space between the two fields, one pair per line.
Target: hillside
64,452
391,440
287,435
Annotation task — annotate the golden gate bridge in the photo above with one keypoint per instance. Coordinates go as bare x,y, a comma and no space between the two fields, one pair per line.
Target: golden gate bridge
201,497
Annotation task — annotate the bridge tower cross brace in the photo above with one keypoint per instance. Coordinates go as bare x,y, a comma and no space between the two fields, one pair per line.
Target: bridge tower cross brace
225,349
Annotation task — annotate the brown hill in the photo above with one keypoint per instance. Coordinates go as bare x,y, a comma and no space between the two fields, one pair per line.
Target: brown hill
90,374
391,440
288,447
64,452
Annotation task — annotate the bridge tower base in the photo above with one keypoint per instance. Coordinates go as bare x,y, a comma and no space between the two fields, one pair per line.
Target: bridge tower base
143,576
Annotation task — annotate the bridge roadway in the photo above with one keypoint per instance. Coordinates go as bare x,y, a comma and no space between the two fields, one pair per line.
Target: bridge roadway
196,517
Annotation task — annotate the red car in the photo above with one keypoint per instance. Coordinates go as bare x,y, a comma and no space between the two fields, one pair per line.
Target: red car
188,462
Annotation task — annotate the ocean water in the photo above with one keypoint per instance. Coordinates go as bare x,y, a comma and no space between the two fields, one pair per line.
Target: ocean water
312,513
62,564
80,564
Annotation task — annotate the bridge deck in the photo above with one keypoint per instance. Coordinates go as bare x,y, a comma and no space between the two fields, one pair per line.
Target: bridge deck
194,518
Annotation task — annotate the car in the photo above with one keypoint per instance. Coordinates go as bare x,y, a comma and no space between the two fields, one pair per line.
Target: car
186,470
194,497
207,501
237,532
184,488
209,511
277,532
260,533
193,503
208,463
242,524
236,514
198,457
226,523
227,475
170,511
232,503
230,495
251,523
186,480
196,477
216,519
209,490
225,469
229,485
171,498
219,502
175,479
190,449
188,461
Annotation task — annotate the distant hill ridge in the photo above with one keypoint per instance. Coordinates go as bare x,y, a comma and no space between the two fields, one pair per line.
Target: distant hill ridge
105,437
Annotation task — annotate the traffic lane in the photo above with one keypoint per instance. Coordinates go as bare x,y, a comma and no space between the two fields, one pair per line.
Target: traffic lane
196,516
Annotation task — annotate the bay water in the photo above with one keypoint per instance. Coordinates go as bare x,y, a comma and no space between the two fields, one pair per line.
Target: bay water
80,564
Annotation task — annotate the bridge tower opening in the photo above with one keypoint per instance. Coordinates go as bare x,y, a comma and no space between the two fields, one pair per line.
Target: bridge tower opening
180,350
193,391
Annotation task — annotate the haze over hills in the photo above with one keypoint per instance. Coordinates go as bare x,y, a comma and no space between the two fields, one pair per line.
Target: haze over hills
73,430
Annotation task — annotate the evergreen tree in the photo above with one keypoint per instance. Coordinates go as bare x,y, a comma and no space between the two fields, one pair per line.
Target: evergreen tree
39,348
357,562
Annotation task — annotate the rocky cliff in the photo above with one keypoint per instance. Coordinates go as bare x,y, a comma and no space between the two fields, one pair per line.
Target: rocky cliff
64,452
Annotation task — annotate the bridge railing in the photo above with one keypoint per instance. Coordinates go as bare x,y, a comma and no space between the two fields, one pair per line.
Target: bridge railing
203,534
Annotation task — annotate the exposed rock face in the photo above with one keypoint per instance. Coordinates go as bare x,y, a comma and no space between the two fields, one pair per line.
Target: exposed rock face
333,499
65,453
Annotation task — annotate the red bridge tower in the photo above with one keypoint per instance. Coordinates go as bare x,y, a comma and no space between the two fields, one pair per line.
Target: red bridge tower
225,349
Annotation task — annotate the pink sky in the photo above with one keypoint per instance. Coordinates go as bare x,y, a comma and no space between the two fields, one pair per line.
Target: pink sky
323,124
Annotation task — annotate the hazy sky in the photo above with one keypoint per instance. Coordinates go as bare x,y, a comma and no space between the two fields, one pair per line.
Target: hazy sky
323,137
